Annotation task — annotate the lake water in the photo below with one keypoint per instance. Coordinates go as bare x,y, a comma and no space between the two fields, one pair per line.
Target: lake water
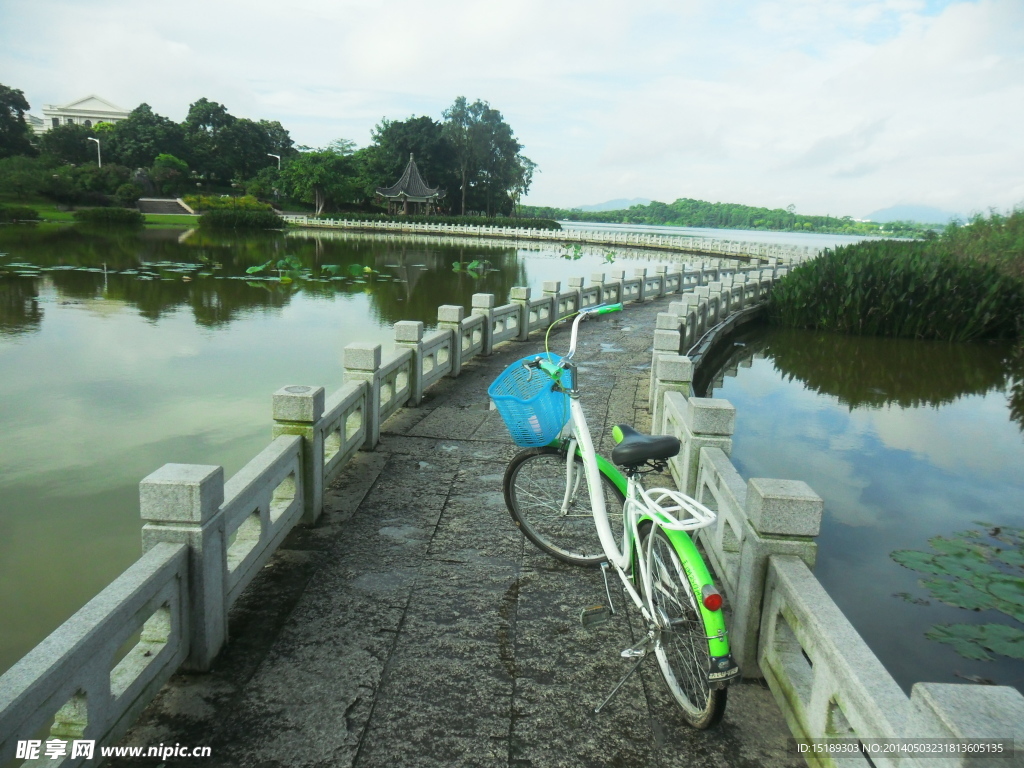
173,352
904,441
812,240
122,352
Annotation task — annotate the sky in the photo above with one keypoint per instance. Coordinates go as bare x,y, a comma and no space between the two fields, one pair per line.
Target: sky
838,107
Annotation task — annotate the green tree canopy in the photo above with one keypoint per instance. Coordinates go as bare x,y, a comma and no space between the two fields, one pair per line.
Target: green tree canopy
69,143
492,172
323,176
395,140
139,138
15,134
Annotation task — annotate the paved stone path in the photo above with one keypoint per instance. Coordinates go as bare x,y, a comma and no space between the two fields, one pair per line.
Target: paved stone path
413,626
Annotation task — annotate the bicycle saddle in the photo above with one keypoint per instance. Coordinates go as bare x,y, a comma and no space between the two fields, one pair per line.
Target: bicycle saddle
634,448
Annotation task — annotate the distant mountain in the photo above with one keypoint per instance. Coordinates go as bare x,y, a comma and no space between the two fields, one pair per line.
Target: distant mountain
922,214
614,205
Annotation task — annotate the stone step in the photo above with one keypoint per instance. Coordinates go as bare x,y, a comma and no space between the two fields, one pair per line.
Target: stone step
160,205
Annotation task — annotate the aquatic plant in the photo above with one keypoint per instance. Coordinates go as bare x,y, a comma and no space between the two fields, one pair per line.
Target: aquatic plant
915,290
977,570
110,216
227,218
18,213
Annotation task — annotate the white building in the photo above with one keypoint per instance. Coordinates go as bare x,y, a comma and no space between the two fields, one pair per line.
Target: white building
88,112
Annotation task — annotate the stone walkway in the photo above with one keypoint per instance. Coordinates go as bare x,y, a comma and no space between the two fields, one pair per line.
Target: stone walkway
413,626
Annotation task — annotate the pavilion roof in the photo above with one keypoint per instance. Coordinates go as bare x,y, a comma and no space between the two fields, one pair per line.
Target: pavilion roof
411,185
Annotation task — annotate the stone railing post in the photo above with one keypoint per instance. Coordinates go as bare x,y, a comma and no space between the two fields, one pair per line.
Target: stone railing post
362,363
615,279
667,342
782,518
714,300
551,290
483,304
673,373
663,272
576,284
707,423
954,712
641,272
179,504
521,296
409,335
450,316
296,411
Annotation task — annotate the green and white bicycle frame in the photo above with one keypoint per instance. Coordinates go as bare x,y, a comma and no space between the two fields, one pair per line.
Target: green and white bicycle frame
675,513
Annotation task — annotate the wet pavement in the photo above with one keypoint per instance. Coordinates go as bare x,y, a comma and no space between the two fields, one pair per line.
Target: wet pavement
413,625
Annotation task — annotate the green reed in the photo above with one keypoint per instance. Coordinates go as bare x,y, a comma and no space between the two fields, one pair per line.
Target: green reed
920,290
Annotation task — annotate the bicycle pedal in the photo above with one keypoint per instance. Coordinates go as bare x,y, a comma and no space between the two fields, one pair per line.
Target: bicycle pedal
634,653
594,614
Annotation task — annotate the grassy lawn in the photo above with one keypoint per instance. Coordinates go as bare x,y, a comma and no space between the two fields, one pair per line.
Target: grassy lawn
49,212
171,220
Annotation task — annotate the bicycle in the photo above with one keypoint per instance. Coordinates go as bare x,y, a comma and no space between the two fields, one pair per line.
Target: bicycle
654,555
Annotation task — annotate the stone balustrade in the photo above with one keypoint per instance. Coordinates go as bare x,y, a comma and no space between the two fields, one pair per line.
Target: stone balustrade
783,626
204,539
733,249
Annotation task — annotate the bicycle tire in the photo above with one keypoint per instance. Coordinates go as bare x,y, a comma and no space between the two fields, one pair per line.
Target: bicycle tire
681,645
534,487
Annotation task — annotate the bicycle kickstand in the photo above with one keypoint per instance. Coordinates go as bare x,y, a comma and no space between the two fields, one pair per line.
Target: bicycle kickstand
638,652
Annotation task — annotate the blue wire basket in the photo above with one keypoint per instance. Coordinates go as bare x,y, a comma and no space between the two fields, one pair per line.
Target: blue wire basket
530,404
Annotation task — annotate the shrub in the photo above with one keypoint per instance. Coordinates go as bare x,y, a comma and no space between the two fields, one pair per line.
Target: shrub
908,289
240,219
110,216
128,194
18,213
480,221
214,203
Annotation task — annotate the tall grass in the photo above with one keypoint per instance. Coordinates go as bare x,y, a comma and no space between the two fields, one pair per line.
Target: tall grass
226,218
126,217
920,290
997,240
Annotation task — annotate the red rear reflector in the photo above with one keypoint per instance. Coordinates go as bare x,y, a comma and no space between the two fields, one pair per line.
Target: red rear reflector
711,597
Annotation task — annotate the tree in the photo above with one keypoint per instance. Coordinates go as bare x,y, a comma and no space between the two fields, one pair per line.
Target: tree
15,134
245,148
323,176
68,143
139,138
279,139
23,175
395,140
460,119
169,174
204,127
487,157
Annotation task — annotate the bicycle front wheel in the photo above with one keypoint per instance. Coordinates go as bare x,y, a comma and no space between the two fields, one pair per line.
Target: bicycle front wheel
681,644
535,489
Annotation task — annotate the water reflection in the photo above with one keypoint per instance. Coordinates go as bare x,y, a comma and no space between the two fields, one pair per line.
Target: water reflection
120,351
905,441
881,372
20,312
162,271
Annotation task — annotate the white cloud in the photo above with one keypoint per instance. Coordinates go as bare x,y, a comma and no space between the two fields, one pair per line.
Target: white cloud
839,106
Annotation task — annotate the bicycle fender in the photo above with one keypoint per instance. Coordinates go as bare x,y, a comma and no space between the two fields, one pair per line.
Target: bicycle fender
698,575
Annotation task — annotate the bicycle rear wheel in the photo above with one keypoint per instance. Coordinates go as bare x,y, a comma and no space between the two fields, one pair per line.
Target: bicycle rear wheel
681,645
534,488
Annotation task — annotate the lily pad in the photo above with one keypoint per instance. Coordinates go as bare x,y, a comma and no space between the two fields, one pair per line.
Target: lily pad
978,571
975,641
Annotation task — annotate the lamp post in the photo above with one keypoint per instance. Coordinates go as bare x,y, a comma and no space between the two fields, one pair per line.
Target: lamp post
278,160
99,158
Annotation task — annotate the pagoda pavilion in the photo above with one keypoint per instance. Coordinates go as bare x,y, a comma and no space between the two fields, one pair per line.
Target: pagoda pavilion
411,195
